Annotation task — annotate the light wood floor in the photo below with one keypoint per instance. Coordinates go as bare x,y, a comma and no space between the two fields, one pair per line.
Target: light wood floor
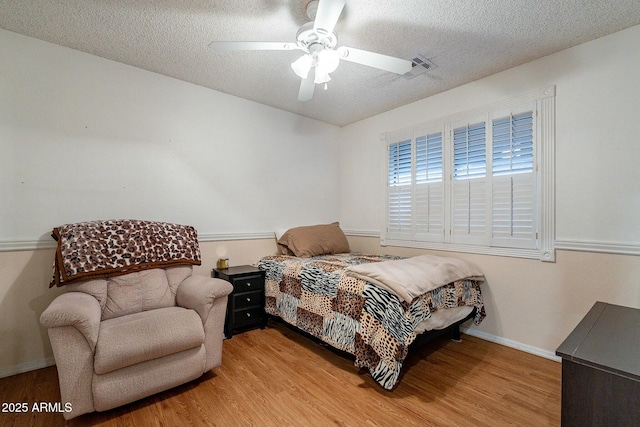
279,377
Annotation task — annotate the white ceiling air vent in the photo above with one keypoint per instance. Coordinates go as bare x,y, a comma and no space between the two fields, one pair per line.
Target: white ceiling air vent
419,65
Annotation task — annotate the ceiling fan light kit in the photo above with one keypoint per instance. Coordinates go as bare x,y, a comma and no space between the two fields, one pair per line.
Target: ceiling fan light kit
302,65
324,61
318,42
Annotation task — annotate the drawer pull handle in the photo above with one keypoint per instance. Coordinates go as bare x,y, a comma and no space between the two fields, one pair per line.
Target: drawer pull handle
248,284
248,314
248,299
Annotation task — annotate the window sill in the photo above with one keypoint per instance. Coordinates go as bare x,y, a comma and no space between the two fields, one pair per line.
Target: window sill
548,255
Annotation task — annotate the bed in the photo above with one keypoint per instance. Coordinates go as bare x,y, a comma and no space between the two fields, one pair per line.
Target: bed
338,298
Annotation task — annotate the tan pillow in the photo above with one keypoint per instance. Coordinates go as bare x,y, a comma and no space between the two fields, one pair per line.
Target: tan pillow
314,240
282,249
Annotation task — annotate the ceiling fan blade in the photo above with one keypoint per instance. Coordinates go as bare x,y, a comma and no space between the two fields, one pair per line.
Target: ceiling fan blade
307,86
327,15
216,45
376,60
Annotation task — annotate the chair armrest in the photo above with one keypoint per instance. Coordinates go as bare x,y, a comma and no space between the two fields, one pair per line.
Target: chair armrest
77,309
200,292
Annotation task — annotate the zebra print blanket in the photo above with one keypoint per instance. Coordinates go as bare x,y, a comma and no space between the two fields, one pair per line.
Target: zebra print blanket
319,297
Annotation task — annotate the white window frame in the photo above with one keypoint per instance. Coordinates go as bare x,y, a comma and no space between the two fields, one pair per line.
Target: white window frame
542,103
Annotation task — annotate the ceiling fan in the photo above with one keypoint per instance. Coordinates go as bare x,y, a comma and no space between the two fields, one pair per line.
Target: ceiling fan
318,42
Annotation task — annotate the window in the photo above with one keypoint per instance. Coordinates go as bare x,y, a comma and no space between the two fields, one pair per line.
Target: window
478,182
415,187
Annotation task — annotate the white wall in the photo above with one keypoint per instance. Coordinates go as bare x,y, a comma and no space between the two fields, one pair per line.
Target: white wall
597,128
85,138
597,187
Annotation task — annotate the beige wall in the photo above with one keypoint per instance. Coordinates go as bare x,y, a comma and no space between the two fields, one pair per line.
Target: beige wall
239,252
24,295
530,305
534,305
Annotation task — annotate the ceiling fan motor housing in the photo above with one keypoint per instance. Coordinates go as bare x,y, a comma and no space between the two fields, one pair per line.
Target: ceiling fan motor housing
308,37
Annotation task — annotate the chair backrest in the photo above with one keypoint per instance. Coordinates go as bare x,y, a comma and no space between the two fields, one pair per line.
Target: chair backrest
135,292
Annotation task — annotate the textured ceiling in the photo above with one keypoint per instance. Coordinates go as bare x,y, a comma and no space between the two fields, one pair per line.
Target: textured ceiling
466,39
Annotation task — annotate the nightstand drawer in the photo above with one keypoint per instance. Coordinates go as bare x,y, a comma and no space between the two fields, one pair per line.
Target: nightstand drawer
245,305
247,284
247,317
247,299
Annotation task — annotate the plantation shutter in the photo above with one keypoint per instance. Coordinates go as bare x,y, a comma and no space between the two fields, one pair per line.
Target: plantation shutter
399,190
514,184
429,188
469,186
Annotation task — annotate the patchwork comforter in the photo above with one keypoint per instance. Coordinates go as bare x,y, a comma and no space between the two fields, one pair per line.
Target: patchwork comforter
318,296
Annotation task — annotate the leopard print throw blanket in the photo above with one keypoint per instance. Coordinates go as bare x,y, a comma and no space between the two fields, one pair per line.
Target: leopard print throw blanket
95,249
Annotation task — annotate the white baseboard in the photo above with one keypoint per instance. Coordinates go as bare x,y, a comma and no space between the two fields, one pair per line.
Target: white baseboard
510,343
26,367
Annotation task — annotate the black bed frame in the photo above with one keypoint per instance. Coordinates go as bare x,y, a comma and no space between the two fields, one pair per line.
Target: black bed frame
452,330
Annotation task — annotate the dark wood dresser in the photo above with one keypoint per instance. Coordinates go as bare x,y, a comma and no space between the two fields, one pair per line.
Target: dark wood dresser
245,306
601,368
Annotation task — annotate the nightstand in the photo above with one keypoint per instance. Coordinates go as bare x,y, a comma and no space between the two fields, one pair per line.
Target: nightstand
245,306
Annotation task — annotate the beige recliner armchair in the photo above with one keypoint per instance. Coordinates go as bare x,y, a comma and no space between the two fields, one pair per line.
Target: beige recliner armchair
123,338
